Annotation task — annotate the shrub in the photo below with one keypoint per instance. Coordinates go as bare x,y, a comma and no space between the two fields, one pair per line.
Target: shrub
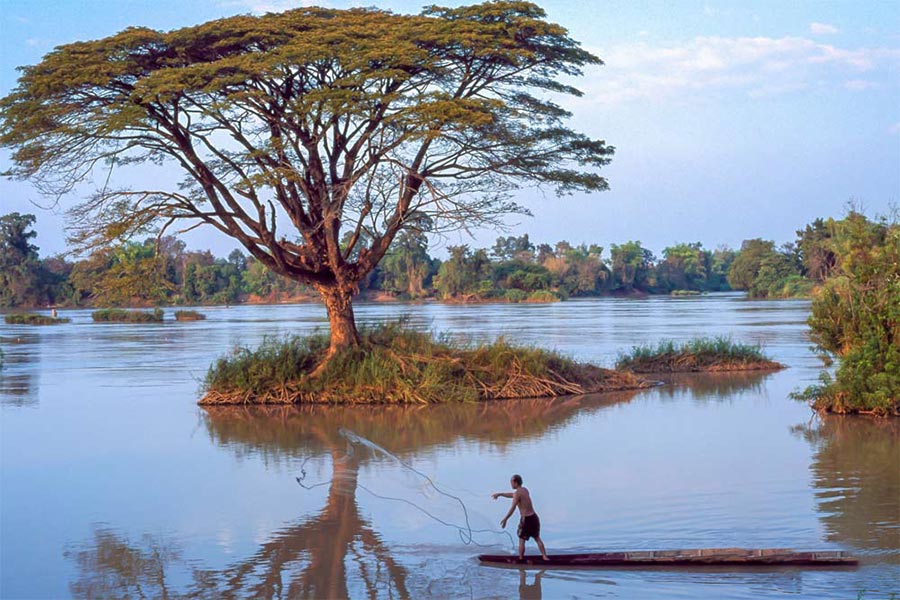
515,295
792,286
543,296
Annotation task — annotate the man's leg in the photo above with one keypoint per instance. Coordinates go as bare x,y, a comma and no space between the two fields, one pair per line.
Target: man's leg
540,544
521,548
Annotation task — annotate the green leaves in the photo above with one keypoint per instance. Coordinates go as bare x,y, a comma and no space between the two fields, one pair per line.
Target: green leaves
295,129
856,317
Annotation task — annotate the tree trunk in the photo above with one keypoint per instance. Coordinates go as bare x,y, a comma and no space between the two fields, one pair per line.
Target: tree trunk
339,304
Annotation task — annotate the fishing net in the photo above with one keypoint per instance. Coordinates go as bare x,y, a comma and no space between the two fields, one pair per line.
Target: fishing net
407,494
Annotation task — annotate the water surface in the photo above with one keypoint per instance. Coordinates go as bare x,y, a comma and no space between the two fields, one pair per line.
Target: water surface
115,484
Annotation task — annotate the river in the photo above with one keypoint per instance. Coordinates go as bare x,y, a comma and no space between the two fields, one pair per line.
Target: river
114,483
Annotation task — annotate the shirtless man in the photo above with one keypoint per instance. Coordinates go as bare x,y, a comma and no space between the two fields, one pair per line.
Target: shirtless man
529,523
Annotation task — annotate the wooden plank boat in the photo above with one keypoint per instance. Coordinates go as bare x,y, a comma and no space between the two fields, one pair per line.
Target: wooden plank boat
678,558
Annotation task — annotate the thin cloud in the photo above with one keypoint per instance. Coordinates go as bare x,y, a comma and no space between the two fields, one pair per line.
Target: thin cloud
823,29
860,85
757,66
259,7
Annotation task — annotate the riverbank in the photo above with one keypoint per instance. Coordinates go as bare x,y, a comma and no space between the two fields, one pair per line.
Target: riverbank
381,297
394,365
829,397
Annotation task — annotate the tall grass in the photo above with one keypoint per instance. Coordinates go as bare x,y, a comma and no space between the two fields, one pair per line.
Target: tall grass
394,364
698,354
118,315
33,319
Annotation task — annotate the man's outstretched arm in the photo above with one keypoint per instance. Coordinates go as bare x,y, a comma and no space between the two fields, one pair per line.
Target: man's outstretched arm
512,509
496,495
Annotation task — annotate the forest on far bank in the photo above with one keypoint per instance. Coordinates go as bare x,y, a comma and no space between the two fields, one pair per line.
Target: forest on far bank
164,272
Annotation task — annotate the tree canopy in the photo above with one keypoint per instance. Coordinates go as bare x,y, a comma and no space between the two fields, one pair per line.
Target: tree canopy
313,135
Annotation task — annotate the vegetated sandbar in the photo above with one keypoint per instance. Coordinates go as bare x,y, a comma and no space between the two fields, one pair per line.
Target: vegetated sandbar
394,365
118,315
705,355
189,315
34,319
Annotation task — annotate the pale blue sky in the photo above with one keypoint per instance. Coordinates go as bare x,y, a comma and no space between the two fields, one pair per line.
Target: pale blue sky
731,120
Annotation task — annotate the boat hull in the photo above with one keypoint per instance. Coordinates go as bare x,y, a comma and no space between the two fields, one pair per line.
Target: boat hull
679,558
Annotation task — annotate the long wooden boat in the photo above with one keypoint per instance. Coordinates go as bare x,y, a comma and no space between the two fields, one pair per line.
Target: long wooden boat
678,558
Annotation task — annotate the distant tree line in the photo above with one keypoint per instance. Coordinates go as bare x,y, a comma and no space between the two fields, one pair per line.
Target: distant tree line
515,269
163,271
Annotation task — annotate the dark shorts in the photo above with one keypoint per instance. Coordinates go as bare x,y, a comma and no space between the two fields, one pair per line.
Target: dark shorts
529,527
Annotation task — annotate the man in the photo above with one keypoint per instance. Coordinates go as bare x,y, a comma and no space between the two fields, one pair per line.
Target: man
529,523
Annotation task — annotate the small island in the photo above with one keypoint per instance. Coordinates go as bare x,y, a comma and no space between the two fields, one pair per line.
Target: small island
118,315
189,315
34,319
710,355
396,365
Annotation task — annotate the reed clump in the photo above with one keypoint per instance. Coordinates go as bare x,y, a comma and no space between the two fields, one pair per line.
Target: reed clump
696,355
396,365
34,319
118,315
189,315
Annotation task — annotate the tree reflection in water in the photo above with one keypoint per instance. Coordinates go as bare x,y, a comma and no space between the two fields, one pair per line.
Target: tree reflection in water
856,472
335,553
113,566
18,385
314,558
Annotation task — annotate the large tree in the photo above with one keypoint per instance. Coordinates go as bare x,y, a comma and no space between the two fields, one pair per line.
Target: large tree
297,130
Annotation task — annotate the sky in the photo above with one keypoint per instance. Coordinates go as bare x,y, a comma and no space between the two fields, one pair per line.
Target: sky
731,120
